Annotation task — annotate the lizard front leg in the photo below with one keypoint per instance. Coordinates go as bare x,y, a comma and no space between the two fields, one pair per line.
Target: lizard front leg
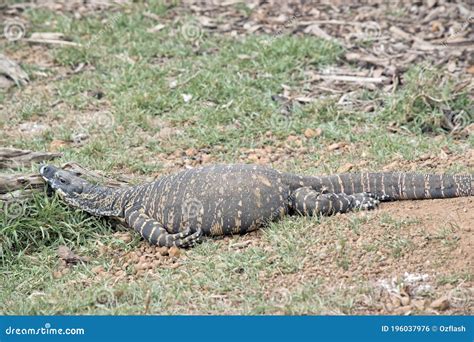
307,201
156,234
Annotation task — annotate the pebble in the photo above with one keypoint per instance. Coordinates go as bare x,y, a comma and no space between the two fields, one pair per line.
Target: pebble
403,310
98,269
310,133
441,303
163,250
174,252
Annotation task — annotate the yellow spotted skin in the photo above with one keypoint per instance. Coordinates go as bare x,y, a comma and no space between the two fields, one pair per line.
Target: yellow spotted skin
178,209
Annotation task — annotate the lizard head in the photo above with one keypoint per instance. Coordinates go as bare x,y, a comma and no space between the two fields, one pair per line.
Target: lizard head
67,184
79,193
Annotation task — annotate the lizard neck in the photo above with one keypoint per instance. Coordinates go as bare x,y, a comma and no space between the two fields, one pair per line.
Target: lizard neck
101,200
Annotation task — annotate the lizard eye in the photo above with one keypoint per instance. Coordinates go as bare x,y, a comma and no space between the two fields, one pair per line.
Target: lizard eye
62,180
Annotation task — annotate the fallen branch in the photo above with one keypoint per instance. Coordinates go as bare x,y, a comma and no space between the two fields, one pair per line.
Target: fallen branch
11,158
357,57
13,71
10,183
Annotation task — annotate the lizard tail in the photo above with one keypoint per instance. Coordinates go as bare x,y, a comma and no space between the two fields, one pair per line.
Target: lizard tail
393,185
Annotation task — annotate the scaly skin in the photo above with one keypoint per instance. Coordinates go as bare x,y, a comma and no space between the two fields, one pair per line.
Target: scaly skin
235,199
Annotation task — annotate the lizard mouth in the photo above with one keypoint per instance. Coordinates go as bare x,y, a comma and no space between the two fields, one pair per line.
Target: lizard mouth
47,172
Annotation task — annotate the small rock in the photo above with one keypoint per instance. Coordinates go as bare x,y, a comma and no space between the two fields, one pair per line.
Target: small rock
98,269
419,304
345,168
405,300
174,252
57,274
402,310
140,267
125,237
55,145
253,157
205,158
335,146
396,301
191,152
311,133
441,303
163,250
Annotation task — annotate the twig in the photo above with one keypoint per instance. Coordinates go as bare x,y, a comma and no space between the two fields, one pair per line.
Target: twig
147,302
420,43
346,78
52,41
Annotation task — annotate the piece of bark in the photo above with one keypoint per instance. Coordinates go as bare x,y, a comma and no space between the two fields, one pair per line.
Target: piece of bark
15,158
69,256
13,71
417,42
10,183
18,195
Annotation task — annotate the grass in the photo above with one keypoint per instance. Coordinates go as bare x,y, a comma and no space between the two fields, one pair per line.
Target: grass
132,88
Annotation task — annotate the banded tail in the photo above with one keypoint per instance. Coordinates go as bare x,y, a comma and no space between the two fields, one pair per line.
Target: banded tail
394,185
